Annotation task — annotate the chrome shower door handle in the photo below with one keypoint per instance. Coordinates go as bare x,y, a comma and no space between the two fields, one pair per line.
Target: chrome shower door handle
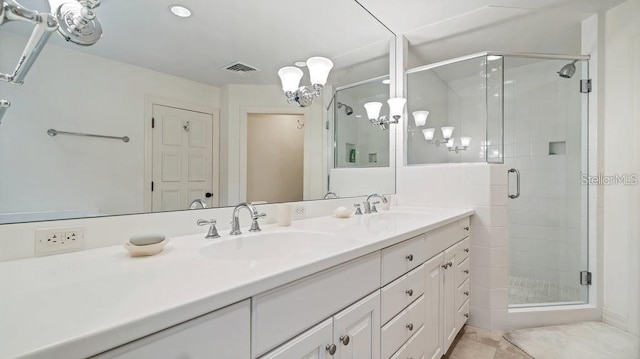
513,170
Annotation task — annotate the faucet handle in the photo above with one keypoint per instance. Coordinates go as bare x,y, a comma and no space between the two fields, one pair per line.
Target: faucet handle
358,211
373,207
213,231
255,227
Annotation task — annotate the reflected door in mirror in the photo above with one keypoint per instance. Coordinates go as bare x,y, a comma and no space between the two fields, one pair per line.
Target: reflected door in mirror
182,158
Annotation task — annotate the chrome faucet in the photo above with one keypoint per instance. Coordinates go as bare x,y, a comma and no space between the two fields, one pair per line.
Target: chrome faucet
235,221
331,195
213,232
371,207
198,203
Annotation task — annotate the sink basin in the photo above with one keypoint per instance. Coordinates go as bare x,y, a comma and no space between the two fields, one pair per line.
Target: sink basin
272,245
401,216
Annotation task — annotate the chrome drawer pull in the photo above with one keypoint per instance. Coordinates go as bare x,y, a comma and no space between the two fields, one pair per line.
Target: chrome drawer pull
466,250
344,339
466,228
410,257
466,315
409,292
466,271
466,293
331,349
410,326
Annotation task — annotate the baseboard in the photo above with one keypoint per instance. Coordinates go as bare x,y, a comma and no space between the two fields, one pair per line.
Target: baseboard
614,318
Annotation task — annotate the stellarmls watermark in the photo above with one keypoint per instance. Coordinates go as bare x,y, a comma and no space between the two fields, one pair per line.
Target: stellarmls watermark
627,179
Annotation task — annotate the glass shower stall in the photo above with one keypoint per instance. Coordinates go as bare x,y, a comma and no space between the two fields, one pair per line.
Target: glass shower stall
530,113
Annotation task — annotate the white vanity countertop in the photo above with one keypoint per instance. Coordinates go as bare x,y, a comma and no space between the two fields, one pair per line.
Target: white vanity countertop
79,304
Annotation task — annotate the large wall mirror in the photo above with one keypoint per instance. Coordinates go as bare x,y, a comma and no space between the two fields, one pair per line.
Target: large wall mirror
199,101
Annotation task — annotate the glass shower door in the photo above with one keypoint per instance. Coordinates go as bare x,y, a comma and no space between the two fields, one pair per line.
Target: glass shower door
546,152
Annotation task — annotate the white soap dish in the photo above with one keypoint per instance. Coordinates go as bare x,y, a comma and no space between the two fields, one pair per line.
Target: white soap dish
342,212
155,246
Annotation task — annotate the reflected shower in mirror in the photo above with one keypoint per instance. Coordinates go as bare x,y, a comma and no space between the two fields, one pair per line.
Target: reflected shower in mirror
189,93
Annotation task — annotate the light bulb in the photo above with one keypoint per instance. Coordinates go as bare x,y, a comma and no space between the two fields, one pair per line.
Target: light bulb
428,133
290,77
420,117
373,109
447,132
319,68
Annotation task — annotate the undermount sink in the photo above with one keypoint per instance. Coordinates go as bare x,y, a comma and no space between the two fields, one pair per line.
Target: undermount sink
271,245
402,216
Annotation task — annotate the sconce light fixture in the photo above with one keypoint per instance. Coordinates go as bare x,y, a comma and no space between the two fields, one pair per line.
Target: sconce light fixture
429,133
420,117
319,68
396,109
464,144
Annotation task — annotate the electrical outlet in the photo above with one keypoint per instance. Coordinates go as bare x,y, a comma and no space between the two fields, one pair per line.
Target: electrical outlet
299,212
59,240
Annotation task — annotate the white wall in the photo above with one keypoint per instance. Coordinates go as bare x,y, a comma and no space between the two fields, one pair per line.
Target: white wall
622,156
73,91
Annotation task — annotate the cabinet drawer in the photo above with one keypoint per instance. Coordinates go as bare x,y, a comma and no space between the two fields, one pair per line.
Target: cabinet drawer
462,272
463,250
284,312
314,341
465,226
414,347
399,329
462,294
443,238
224,334
462,315
402,257
401,292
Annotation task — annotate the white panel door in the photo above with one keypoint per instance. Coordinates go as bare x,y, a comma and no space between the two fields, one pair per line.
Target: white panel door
356,330
312,344
433,303
182,161
449,293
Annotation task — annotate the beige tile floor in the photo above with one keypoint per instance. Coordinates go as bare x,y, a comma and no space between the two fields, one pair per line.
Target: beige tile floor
475,343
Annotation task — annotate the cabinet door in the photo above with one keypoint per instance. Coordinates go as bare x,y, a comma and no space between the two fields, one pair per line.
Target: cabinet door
433,302
312,344
222,334
449,287
356,330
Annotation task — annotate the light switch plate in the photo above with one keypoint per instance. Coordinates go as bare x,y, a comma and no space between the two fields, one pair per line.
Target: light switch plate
59,240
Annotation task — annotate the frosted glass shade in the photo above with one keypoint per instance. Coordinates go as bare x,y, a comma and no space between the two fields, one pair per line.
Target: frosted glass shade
420,117
450,143
396,106
319,68
465,141
447,132
373,110
290,77
428,133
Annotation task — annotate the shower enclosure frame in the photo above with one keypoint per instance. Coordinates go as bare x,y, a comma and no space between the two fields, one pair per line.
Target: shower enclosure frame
549,312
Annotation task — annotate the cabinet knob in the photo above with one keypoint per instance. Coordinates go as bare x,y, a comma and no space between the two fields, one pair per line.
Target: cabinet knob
466,271
466,228
450,264
344,339
410,326
409,292
445,266
466,250
466,293
410,257
466,315
331,349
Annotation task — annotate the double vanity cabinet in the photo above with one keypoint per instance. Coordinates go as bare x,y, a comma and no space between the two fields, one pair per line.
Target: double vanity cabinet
405,301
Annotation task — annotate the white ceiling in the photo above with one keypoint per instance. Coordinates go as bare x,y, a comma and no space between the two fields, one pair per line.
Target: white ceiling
442,29
275,33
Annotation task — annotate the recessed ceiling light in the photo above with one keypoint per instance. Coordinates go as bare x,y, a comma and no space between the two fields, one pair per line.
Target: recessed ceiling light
179,10
359,116
386,81
300,63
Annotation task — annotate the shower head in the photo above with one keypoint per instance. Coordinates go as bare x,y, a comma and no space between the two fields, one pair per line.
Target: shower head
77,22
347,109
567,71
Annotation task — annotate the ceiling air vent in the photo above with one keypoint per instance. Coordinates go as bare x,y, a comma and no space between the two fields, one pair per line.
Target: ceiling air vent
241,68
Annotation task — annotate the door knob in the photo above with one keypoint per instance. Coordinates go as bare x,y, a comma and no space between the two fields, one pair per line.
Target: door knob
331,349
344,339
208,194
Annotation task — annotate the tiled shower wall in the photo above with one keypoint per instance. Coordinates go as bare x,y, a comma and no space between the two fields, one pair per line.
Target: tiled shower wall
546,221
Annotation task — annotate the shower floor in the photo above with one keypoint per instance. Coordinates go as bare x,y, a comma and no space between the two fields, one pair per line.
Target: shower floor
530,291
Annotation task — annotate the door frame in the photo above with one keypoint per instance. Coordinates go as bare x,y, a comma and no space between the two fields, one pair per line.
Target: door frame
149,101
245,111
